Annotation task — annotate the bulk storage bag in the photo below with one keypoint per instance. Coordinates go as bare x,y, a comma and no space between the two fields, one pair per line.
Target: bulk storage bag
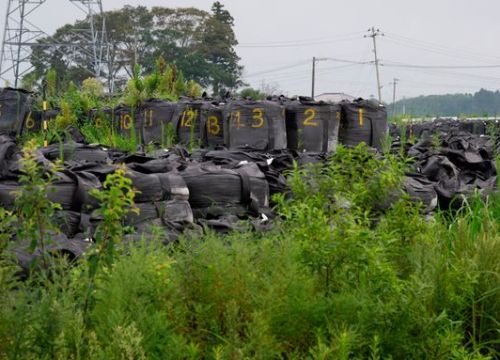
215,191
100,117
61,191
212,125
166,211
158,187
76,152
14,107
186,121
312,126
477,127
125,122
258,125
155,115
363,121
32,122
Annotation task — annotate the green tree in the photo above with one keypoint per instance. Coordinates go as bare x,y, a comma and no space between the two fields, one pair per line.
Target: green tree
141,35
218,42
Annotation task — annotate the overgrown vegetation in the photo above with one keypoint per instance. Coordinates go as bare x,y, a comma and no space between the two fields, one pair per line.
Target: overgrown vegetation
349,271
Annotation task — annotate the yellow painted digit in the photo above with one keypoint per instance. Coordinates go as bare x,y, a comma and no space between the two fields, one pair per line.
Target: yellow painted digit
98,122
338,116
188,117
183,118
126,121
213,125
148,116
360,113
30,123
310,116
258,118
236,118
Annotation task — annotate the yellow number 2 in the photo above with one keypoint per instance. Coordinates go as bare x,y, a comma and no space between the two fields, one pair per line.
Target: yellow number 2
310,116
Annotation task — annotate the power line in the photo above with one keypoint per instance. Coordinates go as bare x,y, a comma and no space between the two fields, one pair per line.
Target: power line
303,42
415,66
439,48
277,69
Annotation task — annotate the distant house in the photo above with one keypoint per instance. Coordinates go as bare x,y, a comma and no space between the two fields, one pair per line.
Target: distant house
334,97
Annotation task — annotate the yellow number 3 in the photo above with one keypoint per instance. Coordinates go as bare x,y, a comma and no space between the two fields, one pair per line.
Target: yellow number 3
258,117
213,125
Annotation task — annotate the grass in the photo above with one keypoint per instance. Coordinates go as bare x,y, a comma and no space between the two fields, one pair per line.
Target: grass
349,271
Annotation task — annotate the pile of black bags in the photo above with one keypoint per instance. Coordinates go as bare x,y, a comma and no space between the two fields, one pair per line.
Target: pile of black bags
244,149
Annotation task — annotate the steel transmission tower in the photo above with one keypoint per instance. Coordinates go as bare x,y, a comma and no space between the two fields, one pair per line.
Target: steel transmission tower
21,34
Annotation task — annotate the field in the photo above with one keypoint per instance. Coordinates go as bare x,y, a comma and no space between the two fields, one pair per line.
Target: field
348,265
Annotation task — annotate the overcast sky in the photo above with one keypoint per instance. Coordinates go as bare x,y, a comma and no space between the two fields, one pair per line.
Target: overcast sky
278,39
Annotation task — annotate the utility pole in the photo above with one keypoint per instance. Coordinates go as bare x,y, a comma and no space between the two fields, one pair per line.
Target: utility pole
373,33
313,77
394,83
313,85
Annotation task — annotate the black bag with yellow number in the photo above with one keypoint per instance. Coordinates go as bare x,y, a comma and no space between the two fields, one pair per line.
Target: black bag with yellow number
155,116
14,108
186,121
35,119
125,123
100,117
258,125
363,121
212,125
312,126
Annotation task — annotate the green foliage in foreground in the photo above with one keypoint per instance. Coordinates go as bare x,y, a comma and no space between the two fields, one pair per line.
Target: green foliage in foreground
347,273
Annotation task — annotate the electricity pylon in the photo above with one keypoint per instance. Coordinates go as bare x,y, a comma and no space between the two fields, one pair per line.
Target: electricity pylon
21,35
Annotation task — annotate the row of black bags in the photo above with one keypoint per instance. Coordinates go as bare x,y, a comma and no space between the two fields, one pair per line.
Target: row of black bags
275,124
180,191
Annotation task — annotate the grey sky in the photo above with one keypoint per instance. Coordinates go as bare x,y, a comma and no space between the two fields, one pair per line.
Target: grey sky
287,34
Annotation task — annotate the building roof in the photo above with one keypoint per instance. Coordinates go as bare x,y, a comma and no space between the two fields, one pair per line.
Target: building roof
334,97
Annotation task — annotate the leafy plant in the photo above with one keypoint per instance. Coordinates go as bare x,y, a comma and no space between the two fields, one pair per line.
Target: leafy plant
117,200
34,209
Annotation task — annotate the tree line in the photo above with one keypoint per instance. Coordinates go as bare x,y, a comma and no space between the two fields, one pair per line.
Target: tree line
199,43
481,103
